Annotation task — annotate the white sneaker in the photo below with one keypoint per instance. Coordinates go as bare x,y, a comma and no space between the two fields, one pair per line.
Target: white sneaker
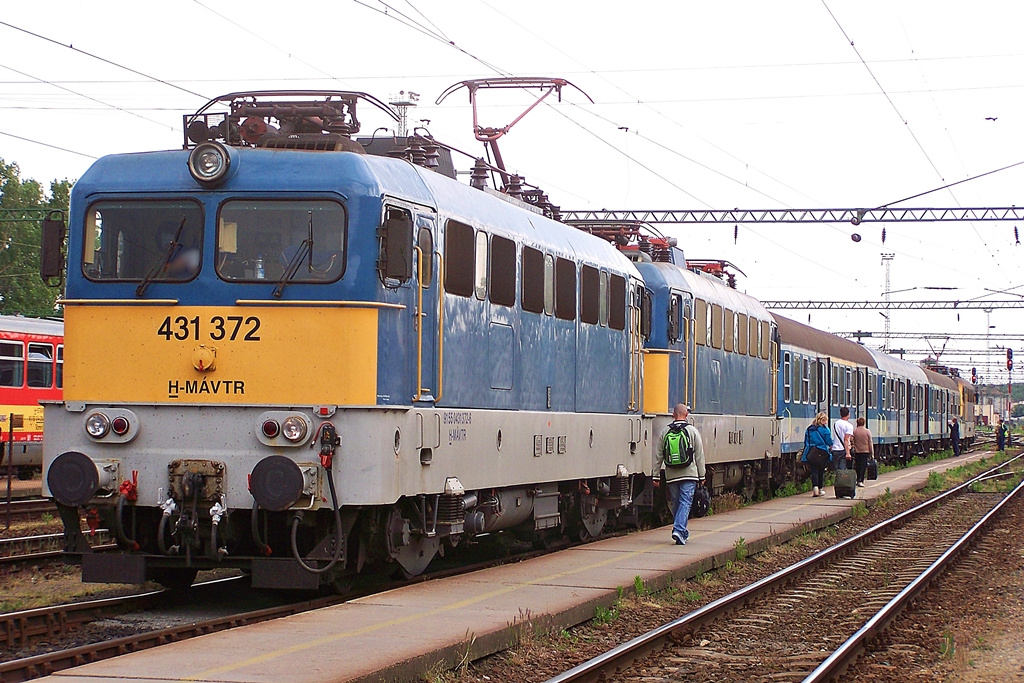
817,492
860,484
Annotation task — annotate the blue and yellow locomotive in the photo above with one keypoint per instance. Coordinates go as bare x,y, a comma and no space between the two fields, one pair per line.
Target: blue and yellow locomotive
306,355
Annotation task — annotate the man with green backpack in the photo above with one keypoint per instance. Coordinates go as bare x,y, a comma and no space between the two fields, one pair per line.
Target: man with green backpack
682,451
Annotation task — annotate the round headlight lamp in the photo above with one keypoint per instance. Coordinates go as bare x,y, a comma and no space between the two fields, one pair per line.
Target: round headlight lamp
209,163
97,425
294,428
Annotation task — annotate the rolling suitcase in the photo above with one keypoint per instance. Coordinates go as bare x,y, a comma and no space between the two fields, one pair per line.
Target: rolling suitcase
846,484
872,472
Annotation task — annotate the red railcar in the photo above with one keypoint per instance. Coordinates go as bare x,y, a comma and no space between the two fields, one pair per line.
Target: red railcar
31,370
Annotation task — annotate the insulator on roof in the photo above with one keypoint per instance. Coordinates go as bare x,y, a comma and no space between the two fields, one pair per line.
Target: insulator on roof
478,178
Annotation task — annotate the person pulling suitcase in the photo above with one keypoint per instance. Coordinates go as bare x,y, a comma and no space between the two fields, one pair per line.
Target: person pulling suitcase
842,455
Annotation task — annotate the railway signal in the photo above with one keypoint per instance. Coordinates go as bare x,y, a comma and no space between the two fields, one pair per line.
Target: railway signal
1009,359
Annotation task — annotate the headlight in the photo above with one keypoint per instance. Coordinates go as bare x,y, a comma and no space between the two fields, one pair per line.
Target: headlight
294,428
209,163
97,425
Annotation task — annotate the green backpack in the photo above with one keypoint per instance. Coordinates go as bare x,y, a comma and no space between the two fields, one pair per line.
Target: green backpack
678,449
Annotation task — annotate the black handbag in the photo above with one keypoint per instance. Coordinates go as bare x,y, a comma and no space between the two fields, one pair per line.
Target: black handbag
872,472
817,456
701,503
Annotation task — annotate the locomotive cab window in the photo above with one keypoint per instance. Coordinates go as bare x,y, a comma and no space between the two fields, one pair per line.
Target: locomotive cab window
617,317
60,366
135,240
396,255
675,314
12,364
292,240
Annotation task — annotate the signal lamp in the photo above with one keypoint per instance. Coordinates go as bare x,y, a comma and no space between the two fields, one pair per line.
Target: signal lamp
271,429
97,425
119,425
209,163
294,428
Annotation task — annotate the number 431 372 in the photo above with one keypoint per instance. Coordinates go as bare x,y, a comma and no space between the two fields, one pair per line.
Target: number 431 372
218,327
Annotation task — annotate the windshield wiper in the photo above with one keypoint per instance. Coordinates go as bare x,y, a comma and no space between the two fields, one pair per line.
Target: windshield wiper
305,250
162,263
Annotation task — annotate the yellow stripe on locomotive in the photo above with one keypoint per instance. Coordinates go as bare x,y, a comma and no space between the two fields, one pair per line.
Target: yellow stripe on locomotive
257,355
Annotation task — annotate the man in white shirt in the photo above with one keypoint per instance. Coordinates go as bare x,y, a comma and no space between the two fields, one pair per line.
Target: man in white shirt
842,437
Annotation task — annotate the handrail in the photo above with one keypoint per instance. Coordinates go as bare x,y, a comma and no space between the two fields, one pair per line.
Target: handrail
116,302
419,323
440,326
316,302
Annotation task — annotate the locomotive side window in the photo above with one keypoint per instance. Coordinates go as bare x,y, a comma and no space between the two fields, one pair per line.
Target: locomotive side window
425,241
736,334
741,333
590,295
60,366
716,326
549,284
480,281
12,364
700,319
533,280
604,298
395,261
674,318
752,336
503,271
458,259
132,240
729,334
766,339
565,289
294,240
40,365
617,317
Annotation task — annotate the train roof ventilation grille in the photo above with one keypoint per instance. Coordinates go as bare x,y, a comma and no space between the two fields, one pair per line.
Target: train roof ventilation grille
316,142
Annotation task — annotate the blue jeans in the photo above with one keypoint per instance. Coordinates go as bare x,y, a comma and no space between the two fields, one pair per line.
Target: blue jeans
680,497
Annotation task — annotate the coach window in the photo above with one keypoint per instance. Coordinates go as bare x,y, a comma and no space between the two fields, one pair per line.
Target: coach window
503,271
60,366
12,364
729,335
135,240
590,295
480,270
805,381
617,305
786,370
40,365
835,385
700,321
458,259
533,280
848,390
716,326
871,390
301,240
565,289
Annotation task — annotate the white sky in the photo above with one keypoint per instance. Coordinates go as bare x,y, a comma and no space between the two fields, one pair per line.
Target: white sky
747,104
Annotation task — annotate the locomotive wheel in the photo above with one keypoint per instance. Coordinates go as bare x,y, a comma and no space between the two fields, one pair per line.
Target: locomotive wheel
593,517
412,551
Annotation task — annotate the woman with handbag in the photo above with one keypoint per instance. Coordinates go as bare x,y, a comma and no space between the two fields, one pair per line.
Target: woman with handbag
817,447
862,449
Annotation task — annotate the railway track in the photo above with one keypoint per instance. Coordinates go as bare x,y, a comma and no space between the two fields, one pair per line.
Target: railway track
46,546
810,621
33,508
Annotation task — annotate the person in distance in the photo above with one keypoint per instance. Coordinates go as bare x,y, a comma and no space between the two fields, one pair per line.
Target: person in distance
863,448
817,445
682,451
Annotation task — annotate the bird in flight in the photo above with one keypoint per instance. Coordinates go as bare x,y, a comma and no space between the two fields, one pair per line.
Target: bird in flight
991,118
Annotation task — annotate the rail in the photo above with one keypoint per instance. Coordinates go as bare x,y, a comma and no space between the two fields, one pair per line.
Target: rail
608,664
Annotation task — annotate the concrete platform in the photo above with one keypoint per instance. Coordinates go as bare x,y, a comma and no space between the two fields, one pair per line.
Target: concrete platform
400,634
